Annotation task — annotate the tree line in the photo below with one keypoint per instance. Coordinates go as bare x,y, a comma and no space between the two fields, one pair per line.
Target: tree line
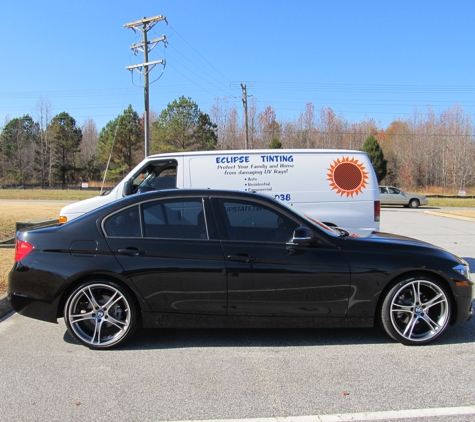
422,150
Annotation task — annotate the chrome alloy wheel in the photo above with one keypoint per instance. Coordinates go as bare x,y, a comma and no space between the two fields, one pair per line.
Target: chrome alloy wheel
419,311
98,314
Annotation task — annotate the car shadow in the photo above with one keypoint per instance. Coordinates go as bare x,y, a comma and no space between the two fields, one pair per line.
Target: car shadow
149,339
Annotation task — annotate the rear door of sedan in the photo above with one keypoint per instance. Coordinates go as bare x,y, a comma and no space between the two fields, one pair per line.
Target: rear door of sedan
169,248
267,276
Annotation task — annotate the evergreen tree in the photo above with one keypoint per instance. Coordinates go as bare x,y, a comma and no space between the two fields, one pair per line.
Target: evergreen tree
18,139
375,154
182,126
275,144
66,137
123,140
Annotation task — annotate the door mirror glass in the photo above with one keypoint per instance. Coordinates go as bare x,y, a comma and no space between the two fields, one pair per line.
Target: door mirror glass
302,235
127,187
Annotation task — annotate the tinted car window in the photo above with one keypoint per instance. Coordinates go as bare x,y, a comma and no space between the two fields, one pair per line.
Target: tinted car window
179,219
125,223
249,221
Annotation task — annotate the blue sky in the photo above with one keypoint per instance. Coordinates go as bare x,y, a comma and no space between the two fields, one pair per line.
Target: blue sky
365,59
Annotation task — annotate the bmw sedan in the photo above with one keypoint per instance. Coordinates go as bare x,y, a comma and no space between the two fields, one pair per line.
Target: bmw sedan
203,258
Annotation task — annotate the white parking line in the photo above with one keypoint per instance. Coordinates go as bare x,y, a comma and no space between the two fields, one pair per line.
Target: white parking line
364,416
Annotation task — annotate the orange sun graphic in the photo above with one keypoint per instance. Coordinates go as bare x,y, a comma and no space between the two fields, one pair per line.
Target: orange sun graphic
347,176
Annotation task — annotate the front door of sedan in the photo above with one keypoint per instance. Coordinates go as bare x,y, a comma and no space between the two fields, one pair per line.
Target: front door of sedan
397,197
268,277
169,250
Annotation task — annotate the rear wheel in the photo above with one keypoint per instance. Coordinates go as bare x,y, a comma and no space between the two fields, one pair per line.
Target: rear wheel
416,310
414,203
100,314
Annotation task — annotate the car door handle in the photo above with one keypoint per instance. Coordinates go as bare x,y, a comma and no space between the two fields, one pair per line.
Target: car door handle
131,251
241,258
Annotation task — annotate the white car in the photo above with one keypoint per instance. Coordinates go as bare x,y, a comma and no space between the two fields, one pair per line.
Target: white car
389,195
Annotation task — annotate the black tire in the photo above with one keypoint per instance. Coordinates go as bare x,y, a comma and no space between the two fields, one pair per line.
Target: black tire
416,310
100,314
414,203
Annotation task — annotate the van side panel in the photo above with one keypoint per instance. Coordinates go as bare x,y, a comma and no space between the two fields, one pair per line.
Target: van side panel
334,187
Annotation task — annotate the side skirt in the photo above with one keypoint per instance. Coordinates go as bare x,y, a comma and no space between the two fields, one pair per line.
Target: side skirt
162,320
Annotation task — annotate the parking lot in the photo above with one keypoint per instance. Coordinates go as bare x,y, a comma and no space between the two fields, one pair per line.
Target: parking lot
234,374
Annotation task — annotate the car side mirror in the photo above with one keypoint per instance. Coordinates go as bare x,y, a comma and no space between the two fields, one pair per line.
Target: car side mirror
127,187
302,236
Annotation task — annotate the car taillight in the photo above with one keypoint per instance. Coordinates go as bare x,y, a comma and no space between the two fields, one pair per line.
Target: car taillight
22,249
377,210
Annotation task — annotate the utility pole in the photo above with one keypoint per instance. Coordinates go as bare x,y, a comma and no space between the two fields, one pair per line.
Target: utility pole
246,125
144,25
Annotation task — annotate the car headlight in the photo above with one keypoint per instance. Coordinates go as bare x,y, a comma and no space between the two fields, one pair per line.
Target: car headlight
463,269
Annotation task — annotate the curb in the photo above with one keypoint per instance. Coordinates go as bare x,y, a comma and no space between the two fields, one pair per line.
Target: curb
5,307
447,215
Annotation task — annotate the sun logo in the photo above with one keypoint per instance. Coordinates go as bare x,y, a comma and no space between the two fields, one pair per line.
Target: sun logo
347,176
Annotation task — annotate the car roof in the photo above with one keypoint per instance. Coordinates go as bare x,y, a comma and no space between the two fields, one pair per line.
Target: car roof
167,193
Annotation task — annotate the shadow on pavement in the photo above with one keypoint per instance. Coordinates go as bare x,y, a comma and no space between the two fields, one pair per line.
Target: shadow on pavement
148,339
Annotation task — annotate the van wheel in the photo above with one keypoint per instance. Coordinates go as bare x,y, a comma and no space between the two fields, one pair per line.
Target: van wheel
416,310
100,314
414,203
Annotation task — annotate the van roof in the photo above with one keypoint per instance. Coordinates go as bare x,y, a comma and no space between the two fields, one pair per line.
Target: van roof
258,151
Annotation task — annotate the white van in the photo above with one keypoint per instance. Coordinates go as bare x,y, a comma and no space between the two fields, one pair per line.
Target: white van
338,187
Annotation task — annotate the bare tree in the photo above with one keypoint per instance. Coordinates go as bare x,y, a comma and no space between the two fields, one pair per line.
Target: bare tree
269,128
44,152
88,145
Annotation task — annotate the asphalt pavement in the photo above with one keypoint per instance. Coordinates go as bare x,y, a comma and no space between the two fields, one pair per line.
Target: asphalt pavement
183,375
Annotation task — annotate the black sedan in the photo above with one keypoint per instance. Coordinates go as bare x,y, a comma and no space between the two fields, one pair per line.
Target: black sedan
204,258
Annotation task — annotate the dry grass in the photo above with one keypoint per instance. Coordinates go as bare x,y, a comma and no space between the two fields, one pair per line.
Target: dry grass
436,190
36,194
10,213
13,211
462,213
6,264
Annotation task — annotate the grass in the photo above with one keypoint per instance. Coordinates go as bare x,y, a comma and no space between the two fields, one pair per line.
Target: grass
10,213
6,263
40,194
13,211
455,202
461,213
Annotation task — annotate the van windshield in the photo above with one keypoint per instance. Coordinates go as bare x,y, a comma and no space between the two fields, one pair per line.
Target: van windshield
155,176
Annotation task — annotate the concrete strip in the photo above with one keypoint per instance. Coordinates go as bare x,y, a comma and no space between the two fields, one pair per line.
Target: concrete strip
365,416
447,215
5,307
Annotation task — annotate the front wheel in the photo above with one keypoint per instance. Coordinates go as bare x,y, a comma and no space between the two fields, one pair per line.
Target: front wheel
100,314
416,310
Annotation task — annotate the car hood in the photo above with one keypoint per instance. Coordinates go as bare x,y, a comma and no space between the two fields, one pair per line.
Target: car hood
78,208
390,238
